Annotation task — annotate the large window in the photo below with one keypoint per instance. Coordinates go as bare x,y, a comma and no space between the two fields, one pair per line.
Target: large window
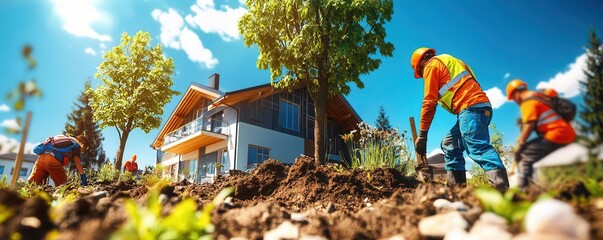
1,169
289,115
256,155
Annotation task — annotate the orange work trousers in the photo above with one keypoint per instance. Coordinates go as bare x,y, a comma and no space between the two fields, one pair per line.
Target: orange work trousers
47,165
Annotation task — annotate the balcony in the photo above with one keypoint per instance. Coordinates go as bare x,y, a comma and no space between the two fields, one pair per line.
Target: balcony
200,132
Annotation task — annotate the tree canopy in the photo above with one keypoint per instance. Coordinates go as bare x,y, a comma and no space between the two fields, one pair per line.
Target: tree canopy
321,45
382,121
592,109
136,80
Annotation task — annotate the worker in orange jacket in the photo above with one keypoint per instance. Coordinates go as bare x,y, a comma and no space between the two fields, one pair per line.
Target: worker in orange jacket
53,155
452,83
131,165
553,132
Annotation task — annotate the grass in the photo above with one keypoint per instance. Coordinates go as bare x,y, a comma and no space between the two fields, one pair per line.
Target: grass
377,148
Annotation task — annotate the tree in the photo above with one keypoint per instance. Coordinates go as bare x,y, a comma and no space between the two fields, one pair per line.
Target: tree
591,125
81,121
321,45
383,120
496,139
136,81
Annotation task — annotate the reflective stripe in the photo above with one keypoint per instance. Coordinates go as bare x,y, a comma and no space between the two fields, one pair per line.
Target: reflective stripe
548,116
451,83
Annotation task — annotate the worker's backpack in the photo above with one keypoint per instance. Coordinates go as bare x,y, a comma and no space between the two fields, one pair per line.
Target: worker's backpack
563,106
64,145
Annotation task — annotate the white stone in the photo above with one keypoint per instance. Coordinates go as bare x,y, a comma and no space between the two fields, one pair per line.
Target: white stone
286,230
441,204
489,231
298,217
538,236
459,206
457,234
440,224
551,216
397,237
312,237
493,219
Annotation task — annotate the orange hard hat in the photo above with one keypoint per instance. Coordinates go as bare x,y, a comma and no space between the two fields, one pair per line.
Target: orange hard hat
550,92
515,85
416,57
134,157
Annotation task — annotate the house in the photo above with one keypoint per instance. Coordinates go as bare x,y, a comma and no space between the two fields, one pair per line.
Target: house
210,131
437,162
7,163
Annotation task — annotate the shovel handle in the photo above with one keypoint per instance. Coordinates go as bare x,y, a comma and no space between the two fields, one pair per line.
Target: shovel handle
421,159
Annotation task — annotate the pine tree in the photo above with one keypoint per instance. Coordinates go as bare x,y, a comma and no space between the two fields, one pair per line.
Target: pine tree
591,125
80,121
383,120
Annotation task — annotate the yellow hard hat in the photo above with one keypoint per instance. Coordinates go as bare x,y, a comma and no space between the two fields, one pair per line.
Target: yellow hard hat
416,57
515,85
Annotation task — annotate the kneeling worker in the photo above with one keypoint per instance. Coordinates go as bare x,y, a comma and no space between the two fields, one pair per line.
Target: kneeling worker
53,155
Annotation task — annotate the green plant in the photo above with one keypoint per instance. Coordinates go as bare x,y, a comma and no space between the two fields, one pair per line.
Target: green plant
376,148
152,176
504,205
184,222
338,167
588,173
4,182
108,173
478,177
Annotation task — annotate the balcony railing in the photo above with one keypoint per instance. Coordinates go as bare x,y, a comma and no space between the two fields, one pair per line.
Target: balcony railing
197,125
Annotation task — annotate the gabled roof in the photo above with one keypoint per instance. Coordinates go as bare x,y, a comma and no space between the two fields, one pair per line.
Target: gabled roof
193,94
27,157
339,108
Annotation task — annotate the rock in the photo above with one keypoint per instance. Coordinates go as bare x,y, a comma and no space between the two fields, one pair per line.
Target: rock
439,225
490,218
459,206
331,208
489,231
551,216
98,195
534,236
103,204
457,234
397,237
441,204
286,230
598,203
312,237
298,217
32,222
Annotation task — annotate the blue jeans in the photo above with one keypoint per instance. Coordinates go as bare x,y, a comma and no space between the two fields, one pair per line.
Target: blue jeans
470,134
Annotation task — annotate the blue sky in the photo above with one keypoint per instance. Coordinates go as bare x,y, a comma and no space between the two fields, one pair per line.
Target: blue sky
541,42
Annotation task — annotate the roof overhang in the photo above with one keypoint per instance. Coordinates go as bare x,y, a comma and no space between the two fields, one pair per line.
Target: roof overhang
193,142
193,95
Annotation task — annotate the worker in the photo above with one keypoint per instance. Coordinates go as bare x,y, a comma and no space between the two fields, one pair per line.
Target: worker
452,83
553,132
131,165
53,155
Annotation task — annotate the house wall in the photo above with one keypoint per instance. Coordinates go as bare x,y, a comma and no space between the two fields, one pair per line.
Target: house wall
283,147
8,166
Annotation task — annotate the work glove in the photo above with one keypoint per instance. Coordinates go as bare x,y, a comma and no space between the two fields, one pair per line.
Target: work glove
84,180
421,142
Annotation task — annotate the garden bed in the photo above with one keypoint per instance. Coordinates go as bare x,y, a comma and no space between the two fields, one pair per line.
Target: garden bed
318,201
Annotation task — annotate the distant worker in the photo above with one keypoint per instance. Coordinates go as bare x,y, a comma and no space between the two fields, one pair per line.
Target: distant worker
452,83
131,165
53,155
537,115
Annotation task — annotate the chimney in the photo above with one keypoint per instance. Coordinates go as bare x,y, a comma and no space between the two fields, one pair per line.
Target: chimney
214,81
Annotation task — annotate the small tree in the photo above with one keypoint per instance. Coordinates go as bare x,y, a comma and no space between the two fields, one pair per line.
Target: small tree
136,81
383,120
321,45
496,139
81,121
591,126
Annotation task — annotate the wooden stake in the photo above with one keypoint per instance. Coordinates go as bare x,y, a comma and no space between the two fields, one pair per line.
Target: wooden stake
19,159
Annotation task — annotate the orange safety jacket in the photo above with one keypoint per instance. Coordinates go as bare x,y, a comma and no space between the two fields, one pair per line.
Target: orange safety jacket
549,123
452,83
131,166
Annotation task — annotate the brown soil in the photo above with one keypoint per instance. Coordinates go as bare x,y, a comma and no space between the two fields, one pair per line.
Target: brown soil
349,204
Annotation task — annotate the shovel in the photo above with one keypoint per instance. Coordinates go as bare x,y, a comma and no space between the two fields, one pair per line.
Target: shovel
424,171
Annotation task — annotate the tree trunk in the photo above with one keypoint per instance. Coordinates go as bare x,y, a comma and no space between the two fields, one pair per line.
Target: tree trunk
120,151
320,122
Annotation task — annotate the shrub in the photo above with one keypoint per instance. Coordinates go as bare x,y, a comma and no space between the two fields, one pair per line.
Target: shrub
108,173
152,176
478,177
4,182
589,173
377,148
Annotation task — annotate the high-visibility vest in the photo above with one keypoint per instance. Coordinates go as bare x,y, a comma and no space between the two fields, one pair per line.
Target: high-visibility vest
459,74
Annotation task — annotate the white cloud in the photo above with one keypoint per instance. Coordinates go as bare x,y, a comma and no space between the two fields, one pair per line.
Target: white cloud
171,26
567,83
192,45
8,145
175,35
497,98
222,21
4,108
102,46
507,75
10,124
78,17
90,51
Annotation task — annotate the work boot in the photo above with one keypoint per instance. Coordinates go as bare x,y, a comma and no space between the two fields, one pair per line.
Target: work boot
456,178
498,178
